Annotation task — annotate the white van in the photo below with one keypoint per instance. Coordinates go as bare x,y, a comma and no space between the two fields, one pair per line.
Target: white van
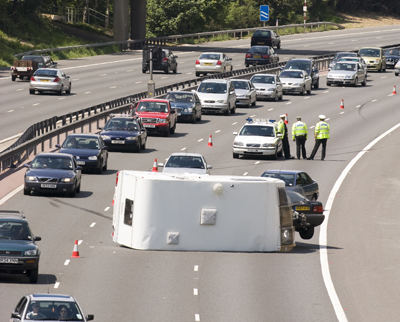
215,213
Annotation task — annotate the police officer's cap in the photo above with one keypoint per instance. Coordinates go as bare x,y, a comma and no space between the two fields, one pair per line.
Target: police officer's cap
298,117
322,117
283,115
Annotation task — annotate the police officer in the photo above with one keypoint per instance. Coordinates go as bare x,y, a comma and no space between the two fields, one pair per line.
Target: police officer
282,129
299,134
321,134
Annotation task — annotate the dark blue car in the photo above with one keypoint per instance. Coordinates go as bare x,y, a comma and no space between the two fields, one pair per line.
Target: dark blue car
89,151
53,173
294,178
124,132
186,104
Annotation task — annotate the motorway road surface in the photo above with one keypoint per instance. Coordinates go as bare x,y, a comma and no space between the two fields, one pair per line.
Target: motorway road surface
116,283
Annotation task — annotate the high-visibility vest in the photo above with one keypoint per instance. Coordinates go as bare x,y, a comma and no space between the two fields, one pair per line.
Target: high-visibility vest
299,129
281,128
322,130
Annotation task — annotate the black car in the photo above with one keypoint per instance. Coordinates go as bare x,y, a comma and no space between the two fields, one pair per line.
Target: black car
308,65
124,132
18,251
392,57
265,38
308,214
186,104
337,56
163,59
53,172
261,55
89,151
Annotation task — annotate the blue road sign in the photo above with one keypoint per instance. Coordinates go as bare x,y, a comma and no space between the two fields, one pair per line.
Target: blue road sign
264,13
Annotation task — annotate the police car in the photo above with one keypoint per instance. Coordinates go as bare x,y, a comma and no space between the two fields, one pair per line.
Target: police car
258,137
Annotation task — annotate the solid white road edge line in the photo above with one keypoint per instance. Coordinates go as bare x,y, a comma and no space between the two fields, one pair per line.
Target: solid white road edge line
323,231
11,194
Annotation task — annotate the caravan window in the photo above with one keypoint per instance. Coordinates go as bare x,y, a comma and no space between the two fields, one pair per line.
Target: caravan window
128,212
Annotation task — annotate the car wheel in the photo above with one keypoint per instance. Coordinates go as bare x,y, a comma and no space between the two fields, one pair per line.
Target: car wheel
279,45
13,78
280,153
144,71
176,69
166,133
307,234
73,193
26,192
173,129
355,82
309,91
281,97
197,74
139,146
69,89
106,165
303,92
166,70
380,69
254,103
236,155
99,169
275,155
276,97
78,190
199,117
31,91
364,83
194,118
228,110
246,65
396,74
233,110
384,70
61,91
328,84
316,86
33,275
144,145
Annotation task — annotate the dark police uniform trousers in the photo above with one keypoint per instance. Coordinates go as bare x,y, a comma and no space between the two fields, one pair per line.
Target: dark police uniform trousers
318,142
300,145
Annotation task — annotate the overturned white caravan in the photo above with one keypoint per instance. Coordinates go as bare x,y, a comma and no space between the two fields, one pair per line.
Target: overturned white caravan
189,212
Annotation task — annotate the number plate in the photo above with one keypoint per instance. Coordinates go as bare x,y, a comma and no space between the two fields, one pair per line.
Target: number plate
8,260
261,93
390,63
117,142
369,65
48,186
260,43
179,114
45,80
208,64
207,105
149,125
257,56
303,208
80,162
252,150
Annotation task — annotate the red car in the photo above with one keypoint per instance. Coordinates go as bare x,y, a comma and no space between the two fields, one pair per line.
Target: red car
157,115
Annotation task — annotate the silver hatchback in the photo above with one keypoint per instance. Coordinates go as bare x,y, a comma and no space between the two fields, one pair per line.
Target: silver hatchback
268,86
50,80
213,63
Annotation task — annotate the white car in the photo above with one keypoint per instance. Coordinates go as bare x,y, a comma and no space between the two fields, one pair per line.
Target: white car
245,92
214,63
217,96
258,137
268,86
347,73
186,163
296,81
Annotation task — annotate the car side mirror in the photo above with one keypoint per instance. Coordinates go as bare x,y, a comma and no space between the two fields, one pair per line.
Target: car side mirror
160,165
229,58
67,77
279,135
89,317
26,165
100,128
55,63
232,92
78,168
193,91
105,148
235,133
58,146
16,315
175,56
37,238
209,166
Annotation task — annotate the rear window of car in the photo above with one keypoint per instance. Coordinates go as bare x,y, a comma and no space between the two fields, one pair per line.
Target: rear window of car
263,79
262,33
210,56
185,162
216,88
287,177
259,49
337,56
45,72
392,52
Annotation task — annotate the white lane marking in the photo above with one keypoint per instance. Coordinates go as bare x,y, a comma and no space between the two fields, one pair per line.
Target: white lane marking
189,73
257,162
217,131
113,86
196,268
164,77
92,225
87,92
80,242
312,126
330,43
10,111
391,94
252,115
245,174
91,246
234,123
35,104
358,106
183,149
200,140
327,119
106,208
75,79
103,75
288,103
138,82
270,109
383,76
67,262
373,101
306,97
326,92
195,291
197,317
182,62
129,70
239,65
341,113
61,98
323,234
57,284
20,89
11,194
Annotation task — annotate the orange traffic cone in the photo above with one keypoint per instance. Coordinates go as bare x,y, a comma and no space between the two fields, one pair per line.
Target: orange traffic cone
286,119
342,105
210,141
394,90
155,167
75,253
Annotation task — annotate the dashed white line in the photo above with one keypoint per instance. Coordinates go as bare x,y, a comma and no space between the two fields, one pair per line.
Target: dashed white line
358,106
87,92
57,284
326,92
383,76
257,162
288,103
20,89
195,291
373,101
138,82
61,98
92,225
196,268
200,140
129,70
252,115
182,62
106,208
217,131
306,97
164,77
341,113
67,262
80,242
197,317
234,123
312,126
189,73
183,149
103,75
113,86
239,65
245,174
35,104
270,109
10,111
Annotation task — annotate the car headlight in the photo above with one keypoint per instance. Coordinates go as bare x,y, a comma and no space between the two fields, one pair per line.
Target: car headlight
131,138
188,109
268,145
92,158
162,121
398,64
270,89
30,252
296,84
105,137
31,179
222,102
238,143
67,180
377,61
349,76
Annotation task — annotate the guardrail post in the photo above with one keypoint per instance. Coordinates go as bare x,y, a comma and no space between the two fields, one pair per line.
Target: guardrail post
42,146
90,127
58,138
50,143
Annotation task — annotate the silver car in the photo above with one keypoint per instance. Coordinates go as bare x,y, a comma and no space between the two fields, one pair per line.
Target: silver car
245,92
347,73
50,80
186,163
213,63
397,69
268,86
296,81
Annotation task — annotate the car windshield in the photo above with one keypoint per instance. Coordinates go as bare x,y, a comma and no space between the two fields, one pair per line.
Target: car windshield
262,33
287,74
288,178
77,142
45,72
263,79
51,162
258,49
370,52
185,162
298,65
349,59
345,67
180,97
210,56
54,310
161,107
216,88
338,56
295,196
257,130
14,230
392,52
240,85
